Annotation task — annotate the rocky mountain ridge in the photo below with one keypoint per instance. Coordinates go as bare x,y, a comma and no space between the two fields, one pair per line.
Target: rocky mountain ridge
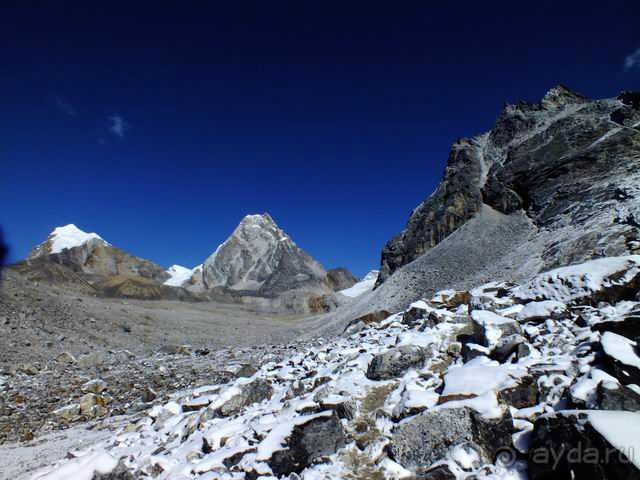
570,164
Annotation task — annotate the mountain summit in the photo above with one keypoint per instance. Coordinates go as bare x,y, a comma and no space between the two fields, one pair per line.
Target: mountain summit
90,254
68,236
260,257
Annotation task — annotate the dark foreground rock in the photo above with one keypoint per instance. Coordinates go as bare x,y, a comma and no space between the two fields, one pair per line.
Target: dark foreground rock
566,445
320,436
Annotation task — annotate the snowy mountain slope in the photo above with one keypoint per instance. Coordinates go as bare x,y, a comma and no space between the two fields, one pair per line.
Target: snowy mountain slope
181,276
364,286
458,385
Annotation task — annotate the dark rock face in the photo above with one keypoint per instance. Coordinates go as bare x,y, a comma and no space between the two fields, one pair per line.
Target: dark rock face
566,162
340,279
318,437
523,395
620,398
395,362
426,438
628,327
455,201
566,446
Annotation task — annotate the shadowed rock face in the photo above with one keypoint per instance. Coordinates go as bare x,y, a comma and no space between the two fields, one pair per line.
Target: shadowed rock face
569,163
260,257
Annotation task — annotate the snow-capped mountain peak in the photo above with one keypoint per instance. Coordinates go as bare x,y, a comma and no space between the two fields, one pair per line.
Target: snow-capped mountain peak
364,286
64,237
180,275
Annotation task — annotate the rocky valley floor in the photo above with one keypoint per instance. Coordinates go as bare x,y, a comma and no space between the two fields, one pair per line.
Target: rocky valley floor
464,384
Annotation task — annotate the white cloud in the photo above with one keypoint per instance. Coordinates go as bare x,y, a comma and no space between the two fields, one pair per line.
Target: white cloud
118,125
632,61
63,105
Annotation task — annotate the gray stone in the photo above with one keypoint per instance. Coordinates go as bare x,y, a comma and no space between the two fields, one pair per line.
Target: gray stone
620,398
65,358
427,438
395,362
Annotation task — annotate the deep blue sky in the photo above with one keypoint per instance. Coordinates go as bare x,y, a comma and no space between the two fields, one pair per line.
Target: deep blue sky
159,125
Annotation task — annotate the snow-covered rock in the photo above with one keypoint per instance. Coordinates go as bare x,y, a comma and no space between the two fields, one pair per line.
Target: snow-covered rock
608,279
68,236
490,327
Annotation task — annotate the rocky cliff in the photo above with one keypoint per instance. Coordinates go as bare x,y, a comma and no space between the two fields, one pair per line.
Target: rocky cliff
570,164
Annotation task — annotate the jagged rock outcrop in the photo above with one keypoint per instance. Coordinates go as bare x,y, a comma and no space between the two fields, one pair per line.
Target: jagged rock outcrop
260,257
568,162
457,198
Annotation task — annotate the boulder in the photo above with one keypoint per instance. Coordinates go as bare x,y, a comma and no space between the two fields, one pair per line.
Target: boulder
586,444
538,312
90,360
523,395
628,327
93,405
395,362
66,358
506,346
427,438
621,358
489,328
373,317
96,386
619,397
246,371
413,315
606,279
236,398
439,472
67,412
451,298
253,392
308,440
473,350
119,473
